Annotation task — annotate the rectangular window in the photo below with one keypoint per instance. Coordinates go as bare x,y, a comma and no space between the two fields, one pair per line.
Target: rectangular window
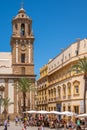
64,108
76,89
23,58
76,109
69,108
69,90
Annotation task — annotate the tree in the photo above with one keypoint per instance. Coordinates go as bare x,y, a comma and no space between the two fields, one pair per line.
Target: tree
5,104
81,67
24,85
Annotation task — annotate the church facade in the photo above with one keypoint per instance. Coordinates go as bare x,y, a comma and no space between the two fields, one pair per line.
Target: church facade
18,63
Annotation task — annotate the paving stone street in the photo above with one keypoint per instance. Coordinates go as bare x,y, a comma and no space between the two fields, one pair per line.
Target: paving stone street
19,127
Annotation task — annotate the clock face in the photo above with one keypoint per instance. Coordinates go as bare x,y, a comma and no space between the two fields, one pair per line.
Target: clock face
23,47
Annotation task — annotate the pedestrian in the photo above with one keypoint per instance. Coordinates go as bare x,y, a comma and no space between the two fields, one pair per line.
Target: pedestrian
24,128
16,120
20,120
78,122
5,125
41,127
70,124
8,120
64,123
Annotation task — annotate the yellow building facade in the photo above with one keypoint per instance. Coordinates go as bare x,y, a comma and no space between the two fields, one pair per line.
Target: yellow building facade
42,89
65,89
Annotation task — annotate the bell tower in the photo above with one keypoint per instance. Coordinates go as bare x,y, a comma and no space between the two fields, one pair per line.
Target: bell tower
22,42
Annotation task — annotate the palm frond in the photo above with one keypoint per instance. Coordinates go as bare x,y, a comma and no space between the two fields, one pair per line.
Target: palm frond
24,85
80,66
6,102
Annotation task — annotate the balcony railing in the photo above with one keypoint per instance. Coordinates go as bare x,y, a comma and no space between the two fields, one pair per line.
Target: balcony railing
76,94
54,99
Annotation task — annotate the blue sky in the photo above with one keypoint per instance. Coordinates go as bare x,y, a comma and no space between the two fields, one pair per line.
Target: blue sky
56,24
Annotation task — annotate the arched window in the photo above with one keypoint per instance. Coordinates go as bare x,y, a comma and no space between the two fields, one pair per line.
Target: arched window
64,90
55,92
69,88
76,87
22,58
29,29
52,92
22,29
59,92
49,93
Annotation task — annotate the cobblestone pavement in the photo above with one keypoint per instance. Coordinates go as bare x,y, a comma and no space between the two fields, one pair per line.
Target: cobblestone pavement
19,127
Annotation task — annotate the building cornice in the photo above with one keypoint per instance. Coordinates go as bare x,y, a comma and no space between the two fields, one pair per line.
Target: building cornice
5,76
